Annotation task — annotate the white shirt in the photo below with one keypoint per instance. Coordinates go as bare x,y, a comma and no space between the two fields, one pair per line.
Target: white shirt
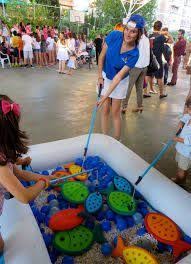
71,44
50,43
185,148
36,44
27,42
144,52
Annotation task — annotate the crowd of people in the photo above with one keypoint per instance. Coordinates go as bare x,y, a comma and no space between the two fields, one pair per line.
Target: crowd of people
44,46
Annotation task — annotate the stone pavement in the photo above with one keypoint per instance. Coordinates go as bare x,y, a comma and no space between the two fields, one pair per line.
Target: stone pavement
59,106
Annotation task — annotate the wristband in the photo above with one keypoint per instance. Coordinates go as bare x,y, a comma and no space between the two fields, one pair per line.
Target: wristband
45,181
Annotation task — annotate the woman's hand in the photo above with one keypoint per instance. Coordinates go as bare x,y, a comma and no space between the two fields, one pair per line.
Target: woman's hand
101,101
100,81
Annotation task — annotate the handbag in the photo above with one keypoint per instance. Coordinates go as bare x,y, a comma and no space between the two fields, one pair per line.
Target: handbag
154,65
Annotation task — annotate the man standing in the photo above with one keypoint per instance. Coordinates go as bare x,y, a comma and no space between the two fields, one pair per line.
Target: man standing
27,48
179,50
137,74
157,39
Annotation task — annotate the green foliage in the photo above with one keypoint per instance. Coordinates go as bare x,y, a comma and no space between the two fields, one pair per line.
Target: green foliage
18,11
148,11
111,12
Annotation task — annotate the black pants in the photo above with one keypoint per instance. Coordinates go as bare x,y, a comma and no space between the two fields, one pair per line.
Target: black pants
98,51
166,68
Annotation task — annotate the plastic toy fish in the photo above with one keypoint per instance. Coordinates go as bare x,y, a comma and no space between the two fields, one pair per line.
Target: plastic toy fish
167,232
122,184
94,202
73,169
120,247
78,240
60,173
136,255
75,192
74,242
66,219
121,203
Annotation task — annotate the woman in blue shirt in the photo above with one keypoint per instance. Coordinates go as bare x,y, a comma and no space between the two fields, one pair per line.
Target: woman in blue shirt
118,56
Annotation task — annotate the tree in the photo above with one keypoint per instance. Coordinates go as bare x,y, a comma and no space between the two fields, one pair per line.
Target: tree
111,12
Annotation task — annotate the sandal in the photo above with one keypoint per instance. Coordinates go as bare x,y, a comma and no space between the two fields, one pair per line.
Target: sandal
153,92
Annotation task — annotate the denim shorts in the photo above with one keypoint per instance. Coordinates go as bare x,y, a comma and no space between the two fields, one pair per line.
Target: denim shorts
37,50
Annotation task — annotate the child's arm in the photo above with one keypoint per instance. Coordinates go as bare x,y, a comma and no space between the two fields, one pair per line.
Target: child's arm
30,176
9,181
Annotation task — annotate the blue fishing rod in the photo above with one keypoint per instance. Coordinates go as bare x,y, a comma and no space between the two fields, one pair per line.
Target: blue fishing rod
157,158
92,124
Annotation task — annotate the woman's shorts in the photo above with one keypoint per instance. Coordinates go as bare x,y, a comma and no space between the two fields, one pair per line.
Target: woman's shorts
119,92
43,50
184,163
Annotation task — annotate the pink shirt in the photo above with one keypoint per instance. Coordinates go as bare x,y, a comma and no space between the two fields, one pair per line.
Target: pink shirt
2,189
28,29
45,33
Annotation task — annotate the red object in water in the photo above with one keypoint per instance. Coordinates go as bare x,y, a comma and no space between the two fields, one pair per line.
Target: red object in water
167,232
66,219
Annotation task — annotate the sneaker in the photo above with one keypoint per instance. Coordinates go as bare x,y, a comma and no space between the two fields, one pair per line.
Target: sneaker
32,66
26,65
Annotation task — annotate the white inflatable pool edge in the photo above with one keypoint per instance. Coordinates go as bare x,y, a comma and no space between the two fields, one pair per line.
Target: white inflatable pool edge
158,190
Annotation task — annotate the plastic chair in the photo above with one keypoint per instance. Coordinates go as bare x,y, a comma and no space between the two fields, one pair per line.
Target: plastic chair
2,60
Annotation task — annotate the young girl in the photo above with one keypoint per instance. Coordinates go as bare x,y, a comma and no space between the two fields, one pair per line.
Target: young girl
183,146
12,145
37,49
50,48
43,51
62,54
71,63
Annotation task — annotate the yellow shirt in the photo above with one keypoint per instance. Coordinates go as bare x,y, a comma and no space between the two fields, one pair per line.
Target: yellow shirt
15,41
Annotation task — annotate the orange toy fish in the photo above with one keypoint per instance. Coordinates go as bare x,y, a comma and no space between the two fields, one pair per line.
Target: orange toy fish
167,232
66,219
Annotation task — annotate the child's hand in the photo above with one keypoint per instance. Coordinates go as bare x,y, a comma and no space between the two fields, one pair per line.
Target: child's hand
175,139
24,161
101,102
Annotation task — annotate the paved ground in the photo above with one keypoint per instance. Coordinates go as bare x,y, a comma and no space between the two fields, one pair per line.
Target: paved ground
59,106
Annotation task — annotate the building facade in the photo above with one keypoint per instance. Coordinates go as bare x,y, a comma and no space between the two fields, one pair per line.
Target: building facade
175,14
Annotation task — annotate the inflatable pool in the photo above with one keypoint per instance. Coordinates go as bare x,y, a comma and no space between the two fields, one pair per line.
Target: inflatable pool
23,240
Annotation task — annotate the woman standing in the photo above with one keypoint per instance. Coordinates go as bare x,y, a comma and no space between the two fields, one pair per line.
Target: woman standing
118,56
62,54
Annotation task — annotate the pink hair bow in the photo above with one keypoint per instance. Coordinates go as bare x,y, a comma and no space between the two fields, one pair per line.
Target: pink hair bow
7,107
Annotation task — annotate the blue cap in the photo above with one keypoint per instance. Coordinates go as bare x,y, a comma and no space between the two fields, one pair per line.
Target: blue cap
139,21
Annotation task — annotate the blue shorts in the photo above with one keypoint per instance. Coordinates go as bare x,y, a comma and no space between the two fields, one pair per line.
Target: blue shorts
37,50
